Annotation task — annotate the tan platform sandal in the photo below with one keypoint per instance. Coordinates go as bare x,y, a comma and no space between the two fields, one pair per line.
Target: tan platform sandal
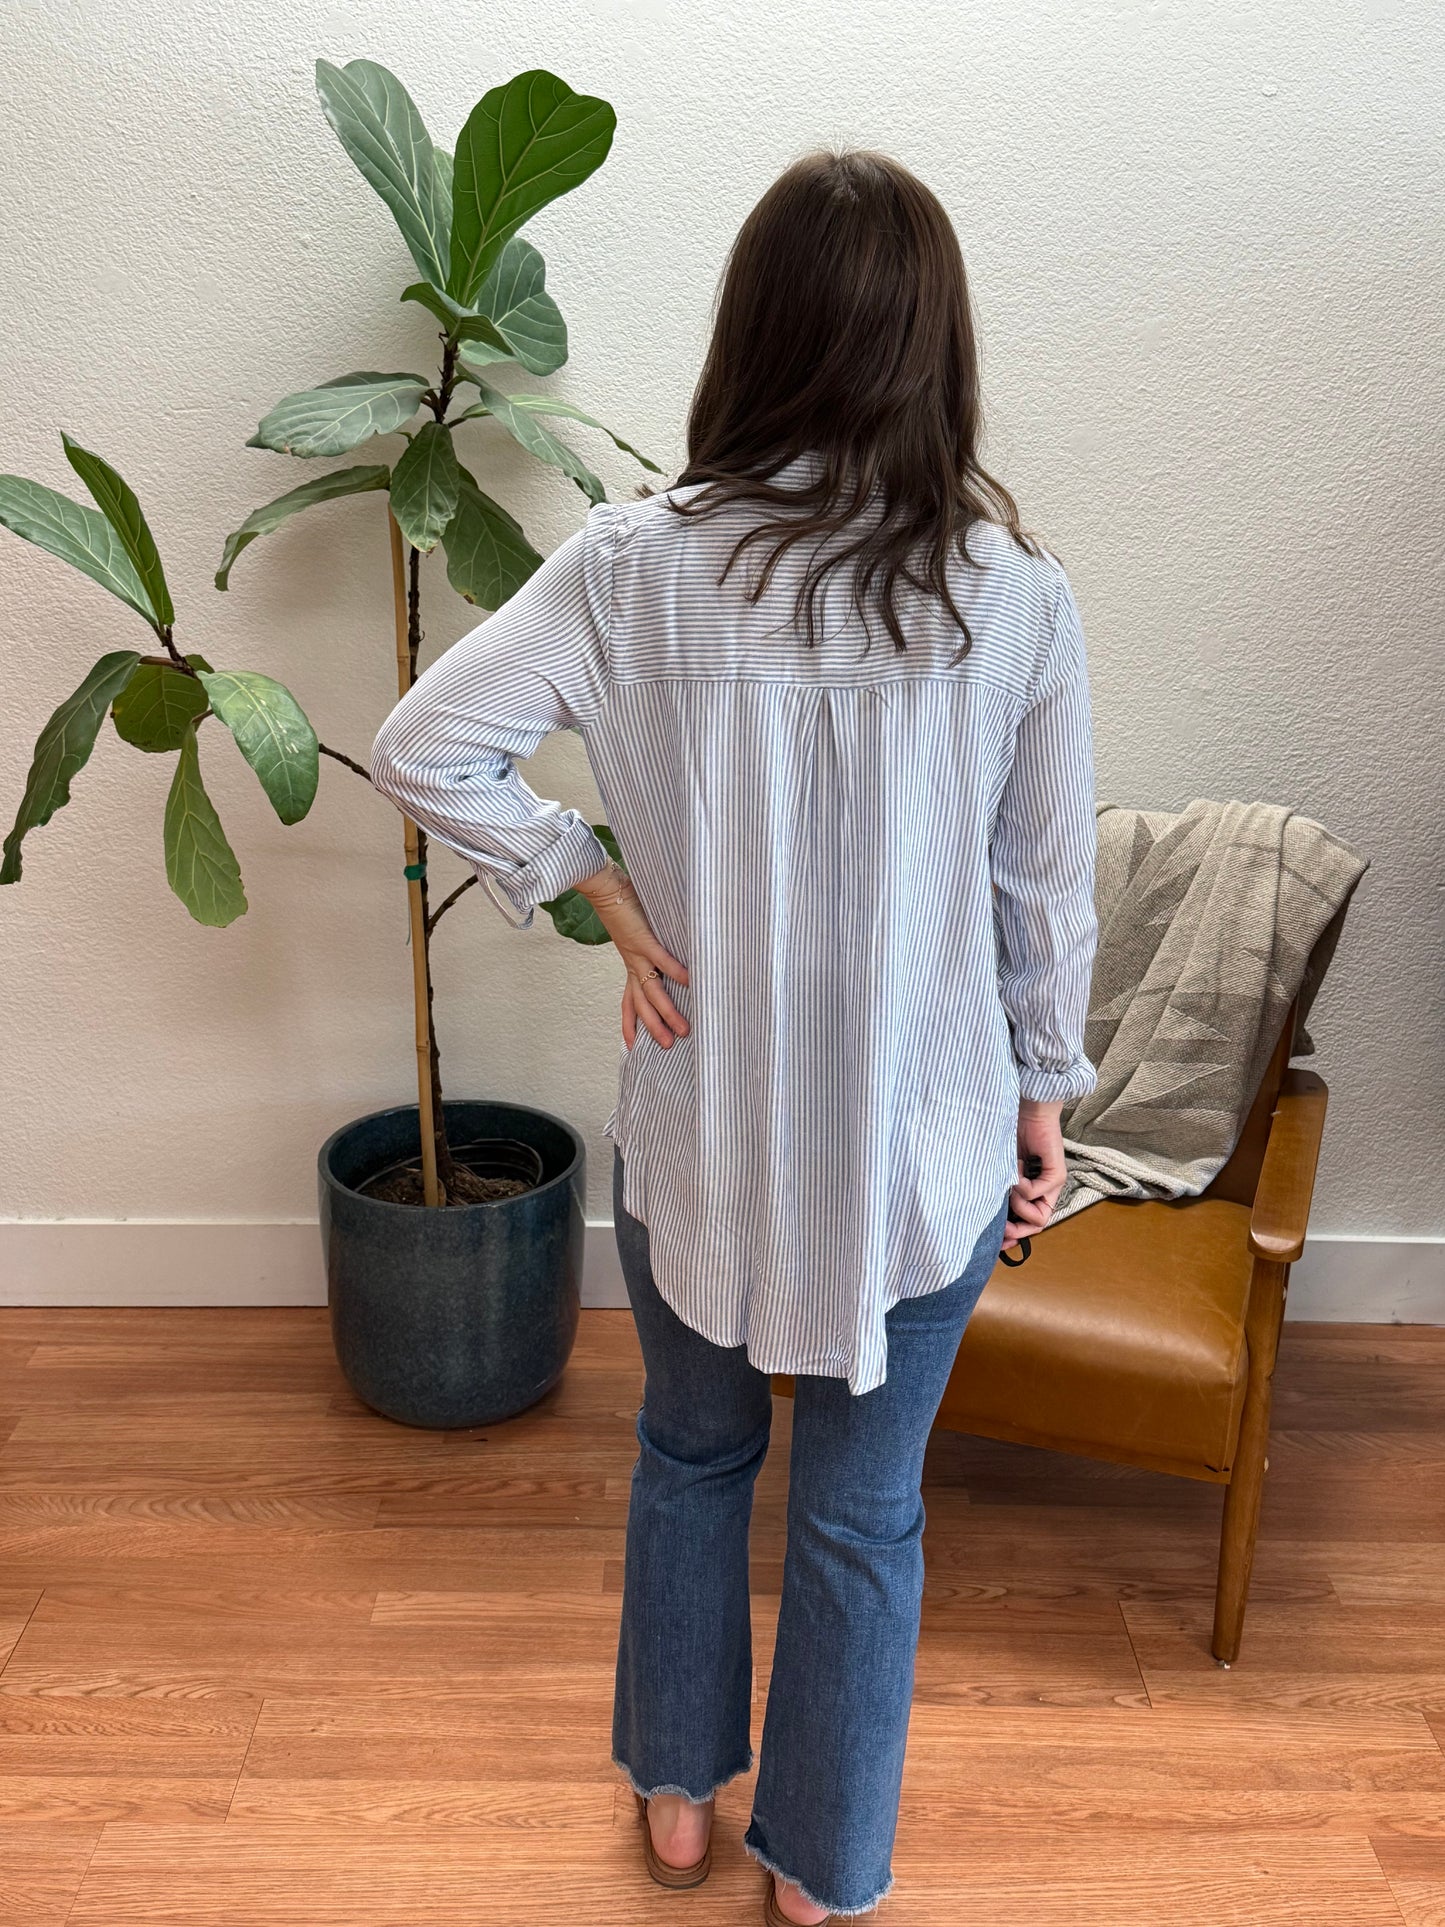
773,1915
662,1871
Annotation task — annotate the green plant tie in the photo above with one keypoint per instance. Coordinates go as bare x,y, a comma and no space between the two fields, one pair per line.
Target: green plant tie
414,872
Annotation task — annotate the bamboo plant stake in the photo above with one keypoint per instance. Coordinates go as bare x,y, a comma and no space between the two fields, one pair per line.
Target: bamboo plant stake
431,1191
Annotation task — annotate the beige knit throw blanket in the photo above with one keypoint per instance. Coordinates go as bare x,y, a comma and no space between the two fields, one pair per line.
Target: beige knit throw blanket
1207,922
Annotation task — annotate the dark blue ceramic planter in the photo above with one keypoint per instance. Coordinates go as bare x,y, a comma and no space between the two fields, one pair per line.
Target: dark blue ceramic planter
461,1316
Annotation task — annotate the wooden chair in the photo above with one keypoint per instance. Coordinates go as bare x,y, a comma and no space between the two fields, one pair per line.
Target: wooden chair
1146,1333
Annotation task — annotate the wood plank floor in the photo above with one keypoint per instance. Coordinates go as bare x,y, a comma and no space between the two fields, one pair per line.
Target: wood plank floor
270,1661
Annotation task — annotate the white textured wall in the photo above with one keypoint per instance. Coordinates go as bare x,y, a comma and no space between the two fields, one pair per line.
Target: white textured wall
1205,248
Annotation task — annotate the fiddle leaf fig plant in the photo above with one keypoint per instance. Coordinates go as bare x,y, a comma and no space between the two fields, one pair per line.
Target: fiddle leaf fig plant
156,701
485,287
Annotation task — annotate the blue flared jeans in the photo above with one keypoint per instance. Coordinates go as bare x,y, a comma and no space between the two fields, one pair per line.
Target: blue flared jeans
826,1804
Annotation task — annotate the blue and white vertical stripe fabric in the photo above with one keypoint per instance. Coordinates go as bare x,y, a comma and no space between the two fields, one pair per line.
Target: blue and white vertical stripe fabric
878,867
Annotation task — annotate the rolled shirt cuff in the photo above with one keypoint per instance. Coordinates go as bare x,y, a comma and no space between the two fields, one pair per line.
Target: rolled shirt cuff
1057,1086
575,854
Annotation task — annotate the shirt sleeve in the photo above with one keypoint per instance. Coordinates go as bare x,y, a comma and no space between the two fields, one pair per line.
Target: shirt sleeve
446,754
1042,859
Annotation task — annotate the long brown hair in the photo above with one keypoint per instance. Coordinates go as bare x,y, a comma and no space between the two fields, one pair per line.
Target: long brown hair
844,331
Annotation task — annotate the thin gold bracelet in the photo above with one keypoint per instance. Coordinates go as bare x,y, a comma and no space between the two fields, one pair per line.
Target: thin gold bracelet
607,902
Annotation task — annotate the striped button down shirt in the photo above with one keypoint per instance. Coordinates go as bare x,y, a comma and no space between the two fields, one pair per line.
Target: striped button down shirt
877,866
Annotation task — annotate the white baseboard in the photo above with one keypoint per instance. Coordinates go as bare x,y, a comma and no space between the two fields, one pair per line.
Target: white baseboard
157,1261
1370,1281
73,1261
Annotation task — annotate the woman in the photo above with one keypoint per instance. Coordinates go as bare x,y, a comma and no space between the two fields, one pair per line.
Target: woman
835,701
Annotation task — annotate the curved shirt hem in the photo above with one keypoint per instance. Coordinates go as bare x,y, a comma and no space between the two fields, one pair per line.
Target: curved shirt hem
770,1357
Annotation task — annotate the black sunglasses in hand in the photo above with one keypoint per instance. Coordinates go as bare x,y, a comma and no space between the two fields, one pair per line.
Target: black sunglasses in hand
1033,1168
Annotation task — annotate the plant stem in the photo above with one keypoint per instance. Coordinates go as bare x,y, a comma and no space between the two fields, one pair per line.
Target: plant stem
438,1166
436,916
443,399
405,676
178,661
442,1150
337,757
446,1168
413,609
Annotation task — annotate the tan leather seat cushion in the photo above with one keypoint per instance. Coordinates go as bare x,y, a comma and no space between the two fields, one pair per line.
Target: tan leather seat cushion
1122,1336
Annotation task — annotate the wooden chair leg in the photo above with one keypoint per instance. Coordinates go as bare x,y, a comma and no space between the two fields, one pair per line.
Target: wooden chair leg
1240,1528
1246,1486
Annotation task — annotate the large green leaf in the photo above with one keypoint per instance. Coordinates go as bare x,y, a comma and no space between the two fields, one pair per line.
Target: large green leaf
522,146
377,123
78,535
488,557
568,411
272,733
572,913
201,866
461,323
537,439
512,319
117,503
62,748
336,416
262,521
424,487
514,297
154,709
519,414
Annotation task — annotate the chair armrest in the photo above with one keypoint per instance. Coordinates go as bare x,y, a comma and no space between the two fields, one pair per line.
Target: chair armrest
1287,1177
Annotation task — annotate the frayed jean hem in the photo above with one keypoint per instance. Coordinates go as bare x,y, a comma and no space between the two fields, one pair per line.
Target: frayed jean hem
683,1793
813,1899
